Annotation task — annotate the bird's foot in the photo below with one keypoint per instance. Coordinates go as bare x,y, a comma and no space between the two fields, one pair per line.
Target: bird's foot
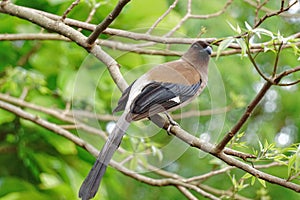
171,123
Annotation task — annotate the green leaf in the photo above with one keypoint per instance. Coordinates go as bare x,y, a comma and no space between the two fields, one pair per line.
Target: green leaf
62,145
11,184
241,42
246,176
25,195
248,26
49,180
261,148
236,29
263,31
231,26
6,116
262,182
253,180
133,163
295,48
223,45
291,163
157,152
234,182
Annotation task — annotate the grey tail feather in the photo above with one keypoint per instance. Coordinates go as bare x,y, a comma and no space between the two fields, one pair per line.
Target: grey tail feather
91,183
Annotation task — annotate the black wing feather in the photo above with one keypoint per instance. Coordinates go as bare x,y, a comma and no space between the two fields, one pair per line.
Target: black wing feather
160,95
123,100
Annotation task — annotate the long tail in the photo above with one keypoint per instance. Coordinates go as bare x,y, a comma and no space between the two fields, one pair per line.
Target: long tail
91,183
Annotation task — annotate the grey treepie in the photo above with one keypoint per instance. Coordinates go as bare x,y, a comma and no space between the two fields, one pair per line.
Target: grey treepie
165,87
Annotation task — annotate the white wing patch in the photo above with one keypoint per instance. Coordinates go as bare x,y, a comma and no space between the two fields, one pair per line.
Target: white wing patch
175,99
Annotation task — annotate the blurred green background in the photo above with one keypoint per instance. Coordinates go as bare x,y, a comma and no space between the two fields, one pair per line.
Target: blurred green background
38,164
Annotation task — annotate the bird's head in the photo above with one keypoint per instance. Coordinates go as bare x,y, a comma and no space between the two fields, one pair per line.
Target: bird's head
198,54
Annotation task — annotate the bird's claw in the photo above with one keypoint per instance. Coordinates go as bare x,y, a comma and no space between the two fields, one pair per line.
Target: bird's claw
171,123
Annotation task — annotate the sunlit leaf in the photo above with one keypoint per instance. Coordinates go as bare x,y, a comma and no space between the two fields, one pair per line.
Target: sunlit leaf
248,26
223,45
253,179
49,180
263,32
246,176
231,26
241,42
262,182
291,163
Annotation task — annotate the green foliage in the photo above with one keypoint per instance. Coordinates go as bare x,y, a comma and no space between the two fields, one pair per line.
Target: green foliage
39,164
17,79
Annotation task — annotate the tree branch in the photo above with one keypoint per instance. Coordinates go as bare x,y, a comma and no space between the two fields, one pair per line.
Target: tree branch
207,147
187,193
244,117
268,15
162,17
69,9
107,21
76,36
53,23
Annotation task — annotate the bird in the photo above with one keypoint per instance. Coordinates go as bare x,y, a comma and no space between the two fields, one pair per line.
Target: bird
166,87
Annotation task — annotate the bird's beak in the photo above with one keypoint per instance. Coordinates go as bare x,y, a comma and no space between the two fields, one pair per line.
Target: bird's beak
209,50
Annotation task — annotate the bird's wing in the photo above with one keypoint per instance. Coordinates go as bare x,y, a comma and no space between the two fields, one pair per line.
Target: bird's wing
157,97
123,100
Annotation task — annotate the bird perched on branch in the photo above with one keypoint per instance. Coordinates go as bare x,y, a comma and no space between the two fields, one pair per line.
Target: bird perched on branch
165,87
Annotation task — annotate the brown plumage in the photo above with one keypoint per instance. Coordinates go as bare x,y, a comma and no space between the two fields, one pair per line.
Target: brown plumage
166,87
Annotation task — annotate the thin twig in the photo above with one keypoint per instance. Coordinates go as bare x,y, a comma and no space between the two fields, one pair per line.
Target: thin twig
183,19
69,9
238,154
107,21
189,15
258,8
276,59
268,15
162,17
248,51
216,14
209,174
289,84
285,73
91,14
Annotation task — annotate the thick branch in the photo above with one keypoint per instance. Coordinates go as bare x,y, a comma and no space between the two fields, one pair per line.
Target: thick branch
63,29
32,36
